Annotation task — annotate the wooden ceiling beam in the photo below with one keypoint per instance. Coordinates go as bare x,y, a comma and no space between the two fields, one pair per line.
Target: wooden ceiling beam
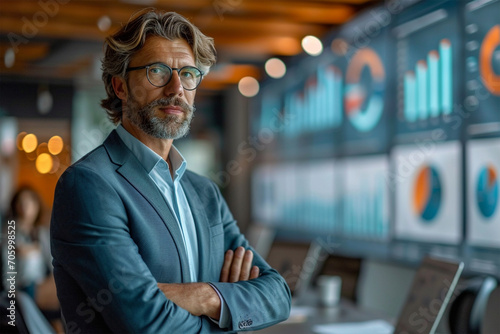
28,52
229,74
299,12
17,15
259,47
232,31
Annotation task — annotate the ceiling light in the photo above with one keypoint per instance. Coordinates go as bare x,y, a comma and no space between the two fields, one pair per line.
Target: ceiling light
9,58
44,101
248,86
104,23
275,68
30,143
55,145
44,163
312,45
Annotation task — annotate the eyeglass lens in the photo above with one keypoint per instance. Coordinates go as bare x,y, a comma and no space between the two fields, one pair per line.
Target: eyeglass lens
159,75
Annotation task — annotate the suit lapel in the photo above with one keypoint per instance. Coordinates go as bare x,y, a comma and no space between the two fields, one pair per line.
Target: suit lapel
202,228
131,169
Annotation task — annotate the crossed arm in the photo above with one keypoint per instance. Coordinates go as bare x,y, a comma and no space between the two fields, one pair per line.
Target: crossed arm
97,229
201,298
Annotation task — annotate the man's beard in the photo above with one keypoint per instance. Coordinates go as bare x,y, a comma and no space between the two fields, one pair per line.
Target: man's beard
167,127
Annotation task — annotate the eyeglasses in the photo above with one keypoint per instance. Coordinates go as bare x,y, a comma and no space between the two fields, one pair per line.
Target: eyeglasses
159,75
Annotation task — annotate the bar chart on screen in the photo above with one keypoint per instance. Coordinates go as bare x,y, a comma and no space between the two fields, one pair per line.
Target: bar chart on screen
428,90
316,104
429,71
365,197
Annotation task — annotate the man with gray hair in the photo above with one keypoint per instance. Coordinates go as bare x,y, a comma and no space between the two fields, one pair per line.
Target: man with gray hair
140,243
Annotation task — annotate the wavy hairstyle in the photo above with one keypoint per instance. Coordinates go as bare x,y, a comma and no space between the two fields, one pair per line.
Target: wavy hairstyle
121,47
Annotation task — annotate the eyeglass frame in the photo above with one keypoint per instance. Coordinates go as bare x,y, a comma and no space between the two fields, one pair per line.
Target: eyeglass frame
171,73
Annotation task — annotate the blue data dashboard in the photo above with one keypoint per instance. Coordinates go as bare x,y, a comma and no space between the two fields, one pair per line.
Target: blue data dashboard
391,135
428,44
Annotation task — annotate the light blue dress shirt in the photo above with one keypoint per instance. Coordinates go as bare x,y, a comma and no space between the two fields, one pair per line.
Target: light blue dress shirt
171,189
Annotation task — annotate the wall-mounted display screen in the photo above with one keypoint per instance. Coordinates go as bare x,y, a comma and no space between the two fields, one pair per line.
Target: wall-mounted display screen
482,67
428,70
365,197
428,185
483,197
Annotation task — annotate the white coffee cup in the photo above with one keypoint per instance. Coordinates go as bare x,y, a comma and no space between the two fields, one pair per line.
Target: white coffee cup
329,290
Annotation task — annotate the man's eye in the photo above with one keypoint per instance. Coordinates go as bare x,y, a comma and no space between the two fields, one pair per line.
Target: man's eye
155,70
187,74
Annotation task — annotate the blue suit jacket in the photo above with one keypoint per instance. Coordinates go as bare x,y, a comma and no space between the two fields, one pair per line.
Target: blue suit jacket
113,237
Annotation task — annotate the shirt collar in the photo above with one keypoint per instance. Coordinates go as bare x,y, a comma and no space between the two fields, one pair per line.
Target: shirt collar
149,158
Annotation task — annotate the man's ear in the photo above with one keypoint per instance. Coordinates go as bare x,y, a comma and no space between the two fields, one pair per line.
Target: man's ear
120,87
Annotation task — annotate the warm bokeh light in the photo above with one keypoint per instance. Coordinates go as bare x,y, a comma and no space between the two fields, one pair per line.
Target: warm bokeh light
275,68
104,23
19,140
312,45
9,58
56,145
29,143
248,86
44,163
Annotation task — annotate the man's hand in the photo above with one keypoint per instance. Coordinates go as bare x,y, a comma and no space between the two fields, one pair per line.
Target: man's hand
200,298
197,298
238,266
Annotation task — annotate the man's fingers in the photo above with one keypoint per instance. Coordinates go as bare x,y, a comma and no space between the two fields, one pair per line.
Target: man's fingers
254,273
246,266
234,275
228,259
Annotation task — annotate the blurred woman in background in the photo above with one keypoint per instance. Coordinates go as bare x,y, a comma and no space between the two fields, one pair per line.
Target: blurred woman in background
33,259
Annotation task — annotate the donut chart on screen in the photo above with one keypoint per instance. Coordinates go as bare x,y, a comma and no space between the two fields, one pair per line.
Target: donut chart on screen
487,191
427,193
364,103
490,47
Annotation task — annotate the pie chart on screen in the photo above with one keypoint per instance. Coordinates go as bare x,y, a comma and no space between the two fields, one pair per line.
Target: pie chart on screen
427,193
487,191
365,89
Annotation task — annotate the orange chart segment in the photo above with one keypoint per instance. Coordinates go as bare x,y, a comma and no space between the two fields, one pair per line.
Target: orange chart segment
490,43
492,177
422,191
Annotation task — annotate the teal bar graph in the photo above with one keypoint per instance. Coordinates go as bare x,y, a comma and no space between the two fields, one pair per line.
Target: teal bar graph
433,63
333,90
410,100
446,76
317,105
364,214
428,89
337,96
422,96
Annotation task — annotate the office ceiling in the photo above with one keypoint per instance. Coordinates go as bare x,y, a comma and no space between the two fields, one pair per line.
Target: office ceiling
62,39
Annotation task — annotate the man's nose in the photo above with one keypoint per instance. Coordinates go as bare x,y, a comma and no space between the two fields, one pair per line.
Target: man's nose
174,87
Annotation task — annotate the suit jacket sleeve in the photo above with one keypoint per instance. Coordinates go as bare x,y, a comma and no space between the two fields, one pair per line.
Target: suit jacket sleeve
256,303
93,249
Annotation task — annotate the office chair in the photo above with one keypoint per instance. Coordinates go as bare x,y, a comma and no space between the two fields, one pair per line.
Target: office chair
468,309
491,320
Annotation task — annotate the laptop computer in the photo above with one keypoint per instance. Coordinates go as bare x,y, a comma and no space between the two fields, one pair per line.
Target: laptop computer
432,288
